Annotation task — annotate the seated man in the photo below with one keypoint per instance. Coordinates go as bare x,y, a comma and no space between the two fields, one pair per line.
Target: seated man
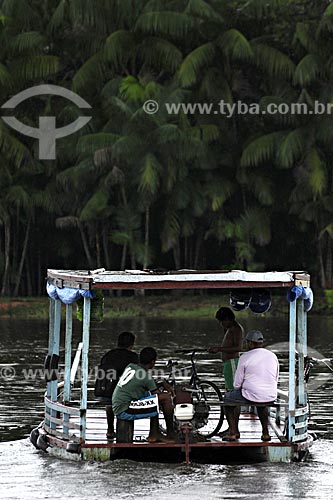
255,382
135,384
111,367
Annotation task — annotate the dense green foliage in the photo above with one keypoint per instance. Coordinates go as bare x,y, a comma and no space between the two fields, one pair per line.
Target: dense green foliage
168,190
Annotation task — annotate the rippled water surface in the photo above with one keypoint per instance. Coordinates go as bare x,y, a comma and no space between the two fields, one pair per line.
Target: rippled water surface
29,474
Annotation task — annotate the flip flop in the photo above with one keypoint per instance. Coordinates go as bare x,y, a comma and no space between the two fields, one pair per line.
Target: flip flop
226,433
230,438
266,437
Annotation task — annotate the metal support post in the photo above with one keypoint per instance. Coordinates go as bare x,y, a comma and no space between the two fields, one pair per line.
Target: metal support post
68,361
84,376
292,370
68,353
55,351
302,349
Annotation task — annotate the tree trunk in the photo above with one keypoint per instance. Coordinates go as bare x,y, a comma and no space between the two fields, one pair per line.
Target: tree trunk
106,248
176,256
86,246
133,259
5,286
198,243
146,256
329,263
29,267
123,257
98,251
186,264
23,255
321,265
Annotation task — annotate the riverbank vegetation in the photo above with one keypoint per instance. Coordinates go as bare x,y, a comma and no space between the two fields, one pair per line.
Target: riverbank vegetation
129,307
154,306
196,189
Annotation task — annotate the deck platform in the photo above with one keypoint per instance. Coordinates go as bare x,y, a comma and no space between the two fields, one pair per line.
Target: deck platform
248,448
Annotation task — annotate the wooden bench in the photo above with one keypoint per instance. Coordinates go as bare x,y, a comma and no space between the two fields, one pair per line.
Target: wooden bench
124,430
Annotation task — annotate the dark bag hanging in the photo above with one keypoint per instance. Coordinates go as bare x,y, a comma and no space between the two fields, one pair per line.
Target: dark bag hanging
104,384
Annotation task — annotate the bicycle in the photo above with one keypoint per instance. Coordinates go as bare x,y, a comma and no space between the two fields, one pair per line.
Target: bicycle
206,416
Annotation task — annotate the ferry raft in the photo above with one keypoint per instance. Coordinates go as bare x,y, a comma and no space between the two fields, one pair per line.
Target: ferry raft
75,427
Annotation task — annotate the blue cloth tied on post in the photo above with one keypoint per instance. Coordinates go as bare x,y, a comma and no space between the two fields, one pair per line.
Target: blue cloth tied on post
67,295
305,293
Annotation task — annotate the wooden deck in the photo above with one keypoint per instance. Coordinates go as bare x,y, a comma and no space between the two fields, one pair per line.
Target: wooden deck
248,448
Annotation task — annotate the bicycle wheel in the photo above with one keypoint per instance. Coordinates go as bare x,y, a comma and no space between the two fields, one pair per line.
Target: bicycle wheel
209,392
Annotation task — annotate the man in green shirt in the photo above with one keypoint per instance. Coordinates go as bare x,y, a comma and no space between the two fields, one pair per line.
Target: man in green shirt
135,384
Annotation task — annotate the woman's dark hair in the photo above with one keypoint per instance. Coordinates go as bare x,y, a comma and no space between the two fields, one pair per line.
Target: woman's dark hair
224,313
126,339
147,355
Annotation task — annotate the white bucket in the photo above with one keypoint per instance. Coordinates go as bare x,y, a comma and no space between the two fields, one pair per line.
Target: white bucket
184,411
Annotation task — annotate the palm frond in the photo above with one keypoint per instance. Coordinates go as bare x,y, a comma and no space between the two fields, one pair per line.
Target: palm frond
111,88
167,133
27,41
88,144
326,22
235,45
317,172
88,74
282,119
119,47
161,54
324,131
74,175
167,23
256,225
291,148
36,67
126,148
207,133
273,61
5,77
21,12
86,13
154,5
307,70
261,149
120,113
194,64
149,174
262,187
215,86
153,90
19,197
218,193
203,10
95,206
171,230
327,230
13,149
131,89
114,177
303,35
58,16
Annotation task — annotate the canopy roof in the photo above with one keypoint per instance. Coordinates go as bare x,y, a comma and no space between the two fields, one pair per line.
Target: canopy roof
185,278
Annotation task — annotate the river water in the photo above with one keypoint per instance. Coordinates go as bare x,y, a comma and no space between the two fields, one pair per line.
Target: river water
26,473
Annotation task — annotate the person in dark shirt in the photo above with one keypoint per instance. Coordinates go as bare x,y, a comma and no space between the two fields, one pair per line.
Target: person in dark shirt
111,367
